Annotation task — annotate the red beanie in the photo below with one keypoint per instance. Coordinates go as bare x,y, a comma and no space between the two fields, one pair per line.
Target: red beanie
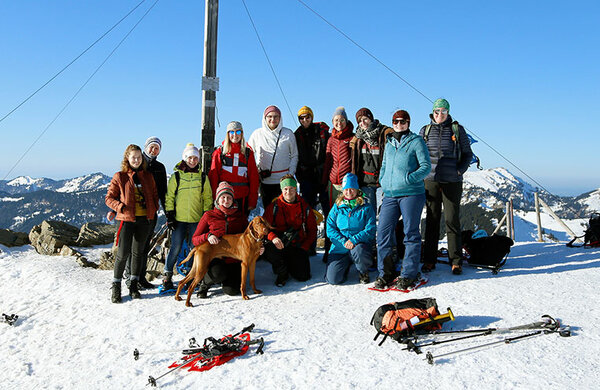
271,109
400,114
364,112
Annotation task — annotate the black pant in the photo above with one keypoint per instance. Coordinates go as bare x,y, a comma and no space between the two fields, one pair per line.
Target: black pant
448,194
132,242
289,261
144,262
229,274
268,192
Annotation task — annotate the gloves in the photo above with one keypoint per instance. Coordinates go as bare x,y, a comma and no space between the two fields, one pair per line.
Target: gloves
171,221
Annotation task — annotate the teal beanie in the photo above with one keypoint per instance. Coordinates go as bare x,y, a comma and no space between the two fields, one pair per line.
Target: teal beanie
441,103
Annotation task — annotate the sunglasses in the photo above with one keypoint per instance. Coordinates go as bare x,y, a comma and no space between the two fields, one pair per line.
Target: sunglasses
440,111
400,121
236,132
304,117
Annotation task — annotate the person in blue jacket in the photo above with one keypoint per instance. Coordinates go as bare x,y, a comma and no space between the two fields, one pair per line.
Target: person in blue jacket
351,228
405,164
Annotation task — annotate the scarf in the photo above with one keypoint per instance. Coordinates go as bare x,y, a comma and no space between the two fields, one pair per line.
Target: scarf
185,168
371,134
352,203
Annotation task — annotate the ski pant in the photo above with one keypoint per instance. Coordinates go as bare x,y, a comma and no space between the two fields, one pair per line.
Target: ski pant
410,207
289,261
268,192
338,264
144,262
183,231
448,194
132,242
229,274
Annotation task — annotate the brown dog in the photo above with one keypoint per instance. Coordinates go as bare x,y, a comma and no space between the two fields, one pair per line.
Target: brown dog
243,246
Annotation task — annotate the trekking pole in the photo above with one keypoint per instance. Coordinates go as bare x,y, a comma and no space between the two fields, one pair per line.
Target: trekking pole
547,323
152,380
430,357
553,326
10,319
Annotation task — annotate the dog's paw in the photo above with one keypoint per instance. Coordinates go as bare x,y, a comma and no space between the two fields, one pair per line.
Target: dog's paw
189,304
177,298
245,297
257,291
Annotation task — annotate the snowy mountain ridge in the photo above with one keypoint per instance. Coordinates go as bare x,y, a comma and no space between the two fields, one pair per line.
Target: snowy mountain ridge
26,184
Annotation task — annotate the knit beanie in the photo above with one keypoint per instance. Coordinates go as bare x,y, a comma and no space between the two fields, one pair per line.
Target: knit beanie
222,189
305,110
340,111
190,150
153,140
234,125
364,112
350,181
271,109
441,103
400,114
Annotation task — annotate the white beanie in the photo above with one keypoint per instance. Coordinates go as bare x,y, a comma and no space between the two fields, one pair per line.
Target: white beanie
190,150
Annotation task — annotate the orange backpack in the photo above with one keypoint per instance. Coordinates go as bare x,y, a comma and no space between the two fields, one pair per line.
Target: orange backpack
397,320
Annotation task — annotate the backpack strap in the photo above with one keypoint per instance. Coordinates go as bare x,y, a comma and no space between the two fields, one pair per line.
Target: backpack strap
426,133
456,138
177,180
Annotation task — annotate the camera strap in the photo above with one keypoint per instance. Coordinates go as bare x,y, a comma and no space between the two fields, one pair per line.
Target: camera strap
275,151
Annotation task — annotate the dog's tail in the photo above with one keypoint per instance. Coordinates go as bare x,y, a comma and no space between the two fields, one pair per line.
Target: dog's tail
189,256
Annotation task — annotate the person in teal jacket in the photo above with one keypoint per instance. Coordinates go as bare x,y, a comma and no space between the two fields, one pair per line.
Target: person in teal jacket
405,164
351,228
188,196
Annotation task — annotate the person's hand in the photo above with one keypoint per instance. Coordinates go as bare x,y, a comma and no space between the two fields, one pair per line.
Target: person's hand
214,240
348,245
278,243
262,250
171,221
110,216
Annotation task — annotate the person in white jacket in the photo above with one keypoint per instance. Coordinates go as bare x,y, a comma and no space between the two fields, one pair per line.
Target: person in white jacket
275,152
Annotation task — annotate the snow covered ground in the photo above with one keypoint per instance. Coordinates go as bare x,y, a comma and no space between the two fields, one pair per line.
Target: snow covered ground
69,335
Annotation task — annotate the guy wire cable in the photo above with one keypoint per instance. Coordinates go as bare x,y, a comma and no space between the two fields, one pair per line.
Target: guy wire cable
79,90
72,62
268,60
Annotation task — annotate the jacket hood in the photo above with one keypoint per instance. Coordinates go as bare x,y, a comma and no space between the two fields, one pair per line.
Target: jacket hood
266,127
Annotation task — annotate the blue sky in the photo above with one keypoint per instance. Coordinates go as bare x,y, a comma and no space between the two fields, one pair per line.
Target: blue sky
522,76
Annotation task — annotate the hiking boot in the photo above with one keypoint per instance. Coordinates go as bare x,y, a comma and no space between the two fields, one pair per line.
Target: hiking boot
281,280
143,284
203,290
427,268
167,283
404,283
364,278
380,284
116,292
457,269
134,292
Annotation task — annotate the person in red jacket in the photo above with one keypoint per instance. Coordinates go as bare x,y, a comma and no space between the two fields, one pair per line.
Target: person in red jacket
132,194
234,163
225,218
294,231
338,156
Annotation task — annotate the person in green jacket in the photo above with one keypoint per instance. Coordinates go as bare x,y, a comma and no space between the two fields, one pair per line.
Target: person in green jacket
188,196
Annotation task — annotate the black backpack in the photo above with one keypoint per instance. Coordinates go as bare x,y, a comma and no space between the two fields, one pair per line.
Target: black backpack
591,237
486,252
397,320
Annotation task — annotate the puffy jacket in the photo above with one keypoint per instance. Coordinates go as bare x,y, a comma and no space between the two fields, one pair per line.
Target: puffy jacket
355,224
218,223
192,198
233,168
312,144
443,151
338,159
405,165
121,194
298,216
263,141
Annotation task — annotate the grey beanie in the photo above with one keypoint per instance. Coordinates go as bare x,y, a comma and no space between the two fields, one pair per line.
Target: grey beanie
234,125
153,140
340,111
